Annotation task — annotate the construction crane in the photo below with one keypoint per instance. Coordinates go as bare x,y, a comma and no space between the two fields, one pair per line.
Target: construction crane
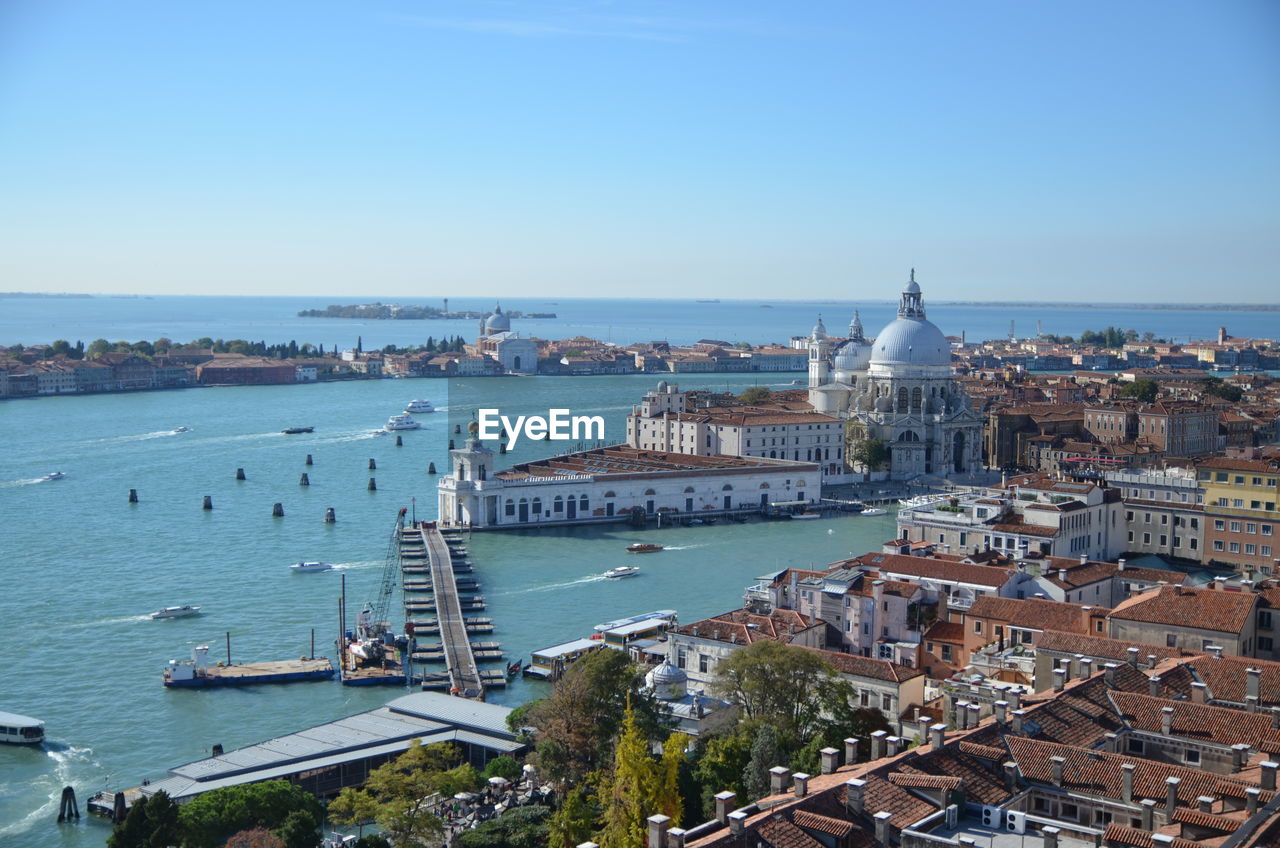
372,624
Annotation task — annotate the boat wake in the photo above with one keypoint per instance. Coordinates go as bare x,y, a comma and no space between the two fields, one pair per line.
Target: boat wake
357,566
69,763
9,484
550,587
358,436
684,547
124,619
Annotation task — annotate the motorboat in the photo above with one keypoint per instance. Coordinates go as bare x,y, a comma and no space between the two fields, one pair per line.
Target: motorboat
643,548
401,422
293,431
872,510
53,475
422,406
176,430
20,730
176,612
311,566
622,571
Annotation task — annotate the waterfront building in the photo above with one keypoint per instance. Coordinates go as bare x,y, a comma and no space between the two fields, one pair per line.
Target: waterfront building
512,351
901,390
245,371
615,483
1240,496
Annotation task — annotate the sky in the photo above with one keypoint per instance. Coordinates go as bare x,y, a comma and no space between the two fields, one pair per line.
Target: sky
1092,150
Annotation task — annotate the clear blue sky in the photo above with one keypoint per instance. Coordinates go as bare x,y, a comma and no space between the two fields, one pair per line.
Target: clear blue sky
1009,150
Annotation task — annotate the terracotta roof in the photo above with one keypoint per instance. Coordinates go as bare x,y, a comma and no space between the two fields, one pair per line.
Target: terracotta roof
1223,725
1199,819
1083,713
1269,466
924,781
743,628
945,631
1037,613
1228,681
1205,609
982,752
1101,647
859,666
1026,529
823,824
932,568
780,833
1129,837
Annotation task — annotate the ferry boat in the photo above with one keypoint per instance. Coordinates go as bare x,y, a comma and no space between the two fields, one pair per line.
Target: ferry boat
419,406
668,616
549,663
300,567
20,730
175,612
622,571
643,548
293,431
872,510
403,421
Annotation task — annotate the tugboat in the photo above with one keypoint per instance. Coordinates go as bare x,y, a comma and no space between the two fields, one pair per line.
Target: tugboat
643,548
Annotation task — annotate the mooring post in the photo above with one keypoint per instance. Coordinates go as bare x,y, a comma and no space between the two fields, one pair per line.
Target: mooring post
309,462
373,465
457,428
451,444
118,810
502,448
228,647
373,484
68,809
431,468
133,496
240,474
399,441
208,501
277,511
305,480
330,516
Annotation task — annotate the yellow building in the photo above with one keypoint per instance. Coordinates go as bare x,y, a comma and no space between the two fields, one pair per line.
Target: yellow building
1241,522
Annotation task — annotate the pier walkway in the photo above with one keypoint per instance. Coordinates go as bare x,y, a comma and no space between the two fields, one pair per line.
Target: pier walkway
464,675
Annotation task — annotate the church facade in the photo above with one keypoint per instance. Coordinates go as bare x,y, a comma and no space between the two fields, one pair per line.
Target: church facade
898,388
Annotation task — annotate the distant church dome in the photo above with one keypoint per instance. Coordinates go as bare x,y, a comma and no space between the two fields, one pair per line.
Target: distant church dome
911,339
497,322
852,355
819,330
667,681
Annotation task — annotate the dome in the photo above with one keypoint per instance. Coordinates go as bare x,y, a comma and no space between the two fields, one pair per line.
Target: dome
852,355
667,681
819,330
911,341
497,322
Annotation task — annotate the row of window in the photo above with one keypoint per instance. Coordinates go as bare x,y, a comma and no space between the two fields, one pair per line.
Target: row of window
1250,527
1164,540
1238,503
1250,549
1238,480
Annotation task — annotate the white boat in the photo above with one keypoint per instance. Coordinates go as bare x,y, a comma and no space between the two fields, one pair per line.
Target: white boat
53,475
176,430
176,612
871,510
419,406
622,571
401,422
20,730
311,566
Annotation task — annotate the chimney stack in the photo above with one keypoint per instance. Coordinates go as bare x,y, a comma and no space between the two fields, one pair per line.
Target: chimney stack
891,743
1015,698
975,715
1251,800
724,803
1126,781
801,784
1206,803
938,734
1267,775
1153,686
877,744
854,791
1133,656
1109,674
1011,777
1254,682
1017,721
1058,765
1251,703
1217,651
1084,558
1171,795
882,828
1050,836
1075,669
658,826
830,759
850,750
1239,756
1059,679
779,778
1086,668
1001,711
1166,721
675,837
1199,693
738,823
1148,813
1120,564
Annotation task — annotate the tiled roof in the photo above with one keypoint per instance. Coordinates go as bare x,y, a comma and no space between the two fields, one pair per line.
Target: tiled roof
1036,613
1223,725
1083,713
780,833
823,824
1228,681
924,781
860,666
742,628
1026,529
945,631
1099,773
980,782
1204,609
937,569
1101,647
1199,819
1129,837
982,752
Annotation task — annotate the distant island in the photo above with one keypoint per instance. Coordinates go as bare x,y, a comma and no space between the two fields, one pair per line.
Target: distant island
42,294
394,312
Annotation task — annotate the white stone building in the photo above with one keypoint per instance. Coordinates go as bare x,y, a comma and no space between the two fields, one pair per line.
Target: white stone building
900,389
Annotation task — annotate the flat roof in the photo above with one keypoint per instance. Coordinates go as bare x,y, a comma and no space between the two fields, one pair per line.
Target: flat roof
569,647
637,627
20,720
624,459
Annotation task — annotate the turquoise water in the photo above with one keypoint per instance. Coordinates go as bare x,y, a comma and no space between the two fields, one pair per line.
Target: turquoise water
82,567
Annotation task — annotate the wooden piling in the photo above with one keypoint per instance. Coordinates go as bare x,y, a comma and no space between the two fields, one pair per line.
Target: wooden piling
457,428
309,462
502,448
133,496
399,441
305,479
240,474
330,516
373,464
431,468
277,511
68,809
208,501
451,444
373,484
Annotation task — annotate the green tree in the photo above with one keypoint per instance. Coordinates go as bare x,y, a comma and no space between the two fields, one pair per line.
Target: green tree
721,763
97,347
134,830
1145,390
353,808
775,683
402,794
504,767
521,827
870,453
755,394
60,347
372,840
629,794
669,802
574,822
1218,388
764,756
299,830
210,818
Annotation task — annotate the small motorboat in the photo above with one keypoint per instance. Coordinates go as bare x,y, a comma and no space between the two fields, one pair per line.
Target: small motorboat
422,406
513,669
293,431
311,566
622,571
53,475
871,510
176,430
401,422
643,548
175,612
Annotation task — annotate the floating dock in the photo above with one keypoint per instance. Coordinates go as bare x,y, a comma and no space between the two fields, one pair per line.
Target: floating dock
464,677
199,673
431,627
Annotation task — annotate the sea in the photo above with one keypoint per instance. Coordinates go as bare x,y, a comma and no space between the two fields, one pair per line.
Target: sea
82,567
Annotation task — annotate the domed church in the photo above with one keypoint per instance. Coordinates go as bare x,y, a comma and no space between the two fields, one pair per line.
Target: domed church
898,388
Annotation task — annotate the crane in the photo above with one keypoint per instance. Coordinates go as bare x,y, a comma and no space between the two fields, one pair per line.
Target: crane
372,624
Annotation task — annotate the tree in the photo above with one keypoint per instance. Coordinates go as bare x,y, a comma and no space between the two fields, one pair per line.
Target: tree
573,823
210,818
630,793
60,347
764,756
669,802
372,840
1145,390
775,683
1218,388
721,763
97,347
504,767
353,808
299,830
871,453
755,394
520,827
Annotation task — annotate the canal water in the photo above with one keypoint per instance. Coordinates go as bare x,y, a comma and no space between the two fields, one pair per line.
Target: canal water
82,568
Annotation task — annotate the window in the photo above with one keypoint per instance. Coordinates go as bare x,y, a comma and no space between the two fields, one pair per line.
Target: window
1137,746
977,626
1266,529
1265,644
1219,524
1266,552
1170,641
1250,527
886,703
682,656
1235,527
1191,757
1217,545
1249,549
704,663
1233,547
946,653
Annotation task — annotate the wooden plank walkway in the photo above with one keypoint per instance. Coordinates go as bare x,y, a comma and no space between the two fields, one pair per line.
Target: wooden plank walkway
464,675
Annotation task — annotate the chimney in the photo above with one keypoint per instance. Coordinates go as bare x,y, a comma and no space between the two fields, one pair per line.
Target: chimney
830,759
850,750
1015,699
1001,711
1275,718
675,837
1050,835
801,784
1126,782
1062,575
1239,756
779,778
1254,682
938,734
1084,558
962,714
1148,813
892,743
1153,686
975,715
1011,777
1251,800
1059,679
1171,795
1120,564
1199,693
1166,721
1151,660
882,828
1251,703
1160,840
658,830
854,791
1133,656
737,823
1059,764
1086,668
1109,674
1206,803
724,803
1075,669
1267,774
1217,651
877,744
1017,721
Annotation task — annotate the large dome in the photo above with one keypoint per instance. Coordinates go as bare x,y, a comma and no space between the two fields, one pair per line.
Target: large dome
497,322
911,341
852,355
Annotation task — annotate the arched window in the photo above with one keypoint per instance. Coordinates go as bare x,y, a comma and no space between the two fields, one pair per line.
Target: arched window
688,490
902,399
610,494
537,506
773,454
557,505
909,436
764,485
650,492
916,397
